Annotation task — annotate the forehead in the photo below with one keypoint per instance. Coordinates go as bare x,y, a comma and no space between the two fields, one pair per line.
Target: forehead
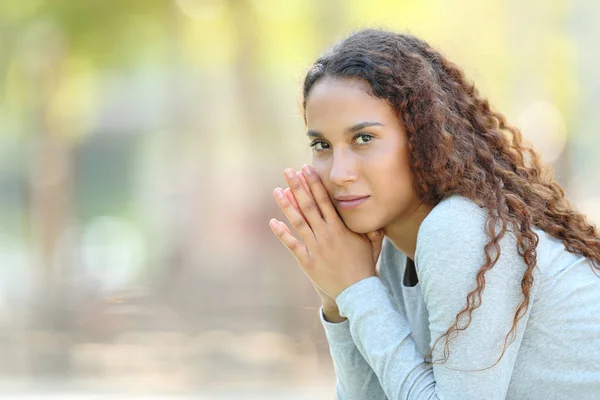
344,102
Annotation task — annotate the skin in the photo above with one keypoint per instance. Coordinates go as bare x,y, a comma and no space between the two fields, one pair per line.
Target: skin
377,166
330,308
339,247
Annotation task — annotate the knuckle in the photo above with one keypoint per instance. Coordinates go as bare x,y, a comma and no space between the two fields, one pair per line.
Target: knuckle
295,185
309,207
323,198
299,223
325,239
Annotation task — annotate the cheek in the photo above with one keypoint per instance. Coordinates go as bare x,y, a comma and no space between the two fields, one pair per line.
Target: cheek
322,171
392,175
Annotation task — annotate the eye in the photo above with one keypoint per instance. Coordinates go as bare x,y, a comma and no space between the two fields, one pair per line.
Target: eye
365,138
360,139
317,145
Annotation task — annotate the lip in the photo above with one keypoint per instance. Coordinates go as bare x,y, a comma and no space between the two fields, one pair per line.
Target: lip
350,202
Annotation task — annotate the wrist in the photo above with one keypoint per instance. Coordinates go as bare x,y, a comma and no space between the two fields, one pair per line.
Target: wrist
332,315
331,308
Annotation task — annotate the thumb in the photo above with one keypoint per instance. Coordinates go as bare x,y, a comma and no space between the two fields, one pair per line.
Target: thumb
376,238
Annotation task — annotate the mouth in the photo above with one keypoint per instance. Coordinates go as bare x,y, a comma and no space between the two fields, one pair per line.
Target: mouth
350,202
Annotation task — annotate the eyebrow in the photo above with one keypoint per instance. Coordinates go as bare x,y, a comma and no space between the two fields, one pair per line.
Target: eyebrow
352,129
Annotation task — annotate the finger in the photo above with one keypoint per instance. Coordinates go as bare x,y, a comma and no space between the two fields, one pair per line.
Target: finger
288,193
304,183
320,194
295,217
305,200
307,188
294,245
284,226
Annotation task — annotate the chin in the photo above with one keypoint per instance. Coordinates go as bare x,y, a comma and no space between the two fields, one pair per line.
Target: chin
361,227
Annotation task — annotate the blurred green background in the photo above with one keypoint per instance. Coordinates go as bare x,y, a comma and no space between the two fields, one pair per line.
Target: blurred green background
140,141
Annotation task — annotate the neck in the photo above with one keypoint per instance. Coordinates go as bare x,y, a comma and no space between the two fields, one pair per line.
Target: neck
403,231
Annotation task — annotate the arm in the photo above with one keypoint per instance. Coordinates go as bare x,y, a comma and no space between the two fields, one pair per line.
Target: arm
449,254
355,377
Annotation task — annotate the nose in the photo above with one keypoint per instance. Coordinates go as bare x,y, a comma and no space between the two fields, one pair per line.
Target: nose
343,169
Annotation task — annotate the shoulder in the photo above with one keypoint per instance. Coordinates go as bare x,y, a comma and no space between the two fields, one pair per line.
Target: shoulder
453,219
454,209
452,240
455,232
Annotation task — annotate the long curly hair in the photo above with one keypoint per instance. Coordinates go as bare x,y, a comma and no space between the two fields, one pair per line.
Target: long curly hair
458,145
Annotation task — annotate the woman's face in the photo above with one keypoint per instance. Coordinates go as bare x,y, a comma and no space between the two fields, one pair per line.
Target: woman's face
360,149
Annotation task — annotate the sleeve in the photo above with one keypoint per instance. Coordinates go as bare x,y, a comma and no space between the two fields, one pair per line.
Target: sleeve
356,380
449,254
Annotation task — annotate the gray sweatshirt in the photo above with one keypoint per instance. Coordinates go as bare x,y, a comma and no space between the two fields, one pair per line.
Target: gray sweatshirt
378,353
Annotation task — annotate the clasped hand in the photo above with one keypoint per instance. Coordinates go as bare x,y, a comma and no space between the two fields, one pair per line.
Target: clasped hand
330,254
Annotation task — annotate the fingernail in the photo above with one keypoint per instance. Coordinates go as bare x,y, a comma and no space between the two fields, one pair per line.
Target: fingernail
275,224
289,173
279,193
306,170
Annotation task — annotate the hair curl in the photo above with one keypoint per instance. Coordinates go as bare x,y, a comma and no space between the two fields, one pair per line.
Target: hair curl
458,145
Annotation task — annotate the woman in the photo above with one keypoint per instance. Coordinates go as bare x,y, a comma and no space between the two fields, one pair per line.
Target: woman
487,284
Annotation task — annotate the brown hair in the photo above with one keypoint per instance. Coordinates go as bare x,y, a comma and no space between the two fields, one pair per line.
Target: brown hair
458,145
